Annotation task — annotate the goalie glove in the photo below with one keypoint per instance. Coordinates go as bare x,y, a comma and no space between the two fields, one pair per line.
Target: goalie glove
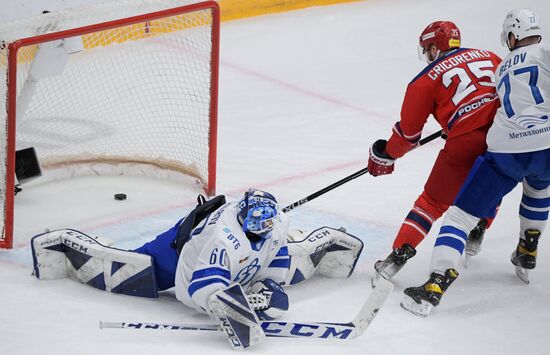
268,299
380,163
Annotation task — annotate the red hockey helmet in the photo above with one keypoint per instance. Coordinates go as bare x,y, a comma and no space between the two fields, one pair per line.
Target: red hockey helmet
444,35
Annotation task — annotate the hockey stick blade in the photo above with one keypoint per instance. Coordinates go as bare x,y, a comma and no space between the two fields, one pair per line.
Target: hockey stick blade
322,330
350,330
376,300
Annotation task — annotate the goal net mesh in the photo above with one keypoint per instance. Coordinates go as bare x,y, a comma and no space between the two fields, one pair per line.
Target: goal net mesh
136,93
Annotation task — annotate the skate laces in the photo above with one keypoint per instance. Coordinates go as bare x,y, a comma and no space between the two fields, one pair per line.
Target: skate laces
433,287
439,283
477,233
529,244
524,251
401,255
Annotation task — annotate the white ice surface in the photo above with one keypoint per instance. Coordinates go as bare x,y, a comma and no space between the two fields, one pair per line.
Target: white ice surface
302,95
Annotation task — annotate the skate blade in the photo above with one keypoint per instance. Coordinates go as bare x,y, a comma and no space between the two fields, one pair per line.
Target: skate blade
377,276
374,280
466,260
422,310
471,250
522,274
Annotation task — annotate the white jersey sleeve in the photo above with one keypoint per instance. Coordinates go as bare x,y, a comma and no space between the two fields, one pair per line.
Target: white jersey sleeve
219,254
203,266
209,274
522,122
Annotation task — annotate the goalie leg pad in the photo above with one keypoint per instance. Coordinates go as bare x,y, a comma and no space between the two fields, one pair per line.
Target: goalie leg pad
341,256
332,252
70,253
240,323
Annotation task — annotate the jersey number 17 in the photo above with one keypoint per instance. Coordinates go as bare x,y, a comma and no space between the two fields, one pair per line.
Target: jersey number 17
533,72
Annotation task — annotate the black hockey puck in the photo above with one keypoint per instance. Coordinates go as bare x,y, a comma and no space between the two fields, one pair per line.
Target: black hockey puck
120,197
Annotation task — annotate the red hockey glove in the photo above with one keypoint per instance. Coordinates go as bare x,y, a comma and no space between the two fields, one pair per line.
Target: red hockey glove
380,163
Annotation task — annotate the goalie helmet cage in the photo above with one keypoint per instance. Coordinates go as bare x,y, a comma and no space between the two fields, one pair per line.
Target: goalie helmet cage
126,84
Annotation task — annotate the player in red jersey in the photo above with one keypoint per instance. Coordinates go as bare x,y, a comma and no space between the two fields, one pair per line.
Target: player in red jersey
458,89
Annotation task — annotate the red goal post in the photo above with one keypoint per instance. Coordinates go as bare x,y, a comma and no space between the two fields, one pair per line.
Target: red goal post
142,89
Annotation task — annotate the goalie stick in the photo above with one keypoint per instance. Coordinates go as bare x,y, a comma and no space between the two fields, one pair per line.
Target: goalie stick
353,176
321,330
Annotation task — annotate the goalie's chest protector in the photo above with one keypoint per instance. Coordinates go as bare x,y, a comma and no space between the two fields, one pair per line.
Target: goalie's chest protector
219,246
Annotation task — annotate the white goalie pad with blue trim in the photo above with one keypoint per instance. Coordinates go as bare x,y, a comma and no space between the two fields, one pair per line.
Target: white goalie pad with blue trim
70,253
330,252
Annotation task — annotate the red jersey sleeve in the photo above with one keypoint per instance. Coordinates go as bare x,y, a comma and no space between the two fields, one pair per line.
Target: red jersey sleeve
417,106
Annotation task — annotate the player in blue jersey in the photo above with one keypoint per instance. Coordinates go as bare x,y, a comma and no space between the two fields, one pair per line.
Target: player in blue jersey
518,152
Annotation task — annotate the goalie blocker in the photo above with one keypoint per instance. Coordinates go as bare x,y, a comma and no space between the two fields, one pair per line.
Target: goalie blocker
236,317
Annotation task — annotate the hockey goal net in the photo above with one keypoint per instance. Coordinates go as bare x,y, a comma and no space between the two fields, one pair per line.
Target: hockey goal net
131,82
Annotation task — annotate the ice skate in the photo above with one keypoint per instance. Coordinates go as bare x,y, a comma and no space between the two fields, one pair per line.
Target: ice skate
524,257
475,238
390,266
422,299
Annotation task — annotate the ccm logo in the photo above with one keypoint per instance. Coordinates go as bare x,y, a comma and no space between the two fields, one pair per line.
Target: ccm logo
318,235
285,329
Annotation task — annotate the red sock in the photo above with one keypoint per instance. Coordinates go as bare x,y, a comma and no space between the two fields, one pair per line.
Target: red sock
419,221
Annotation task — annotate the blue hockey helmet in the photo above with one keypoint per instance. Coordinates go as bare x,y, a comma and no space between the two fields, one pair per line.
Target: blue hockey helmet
257,212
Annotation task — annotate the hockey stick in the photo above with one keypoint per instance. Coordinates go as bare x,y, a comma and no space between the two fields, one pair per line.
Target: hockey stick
351,177
322,330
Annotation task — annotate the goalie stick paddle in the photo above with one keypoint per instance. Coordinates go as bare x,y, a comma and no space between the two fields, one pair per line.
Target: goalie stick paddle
282,329
355,175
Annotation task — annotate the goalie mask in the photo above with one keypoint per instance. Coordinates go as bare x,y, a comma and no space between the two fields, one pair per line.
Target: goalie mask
257,212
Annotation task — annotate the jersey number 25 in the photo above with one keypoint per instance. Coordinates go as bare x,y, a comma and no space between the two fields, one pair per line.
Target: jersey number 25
479,69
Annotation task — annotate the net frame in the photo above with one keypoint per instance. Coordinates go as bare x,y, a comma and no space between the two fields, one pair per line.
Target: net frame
6,238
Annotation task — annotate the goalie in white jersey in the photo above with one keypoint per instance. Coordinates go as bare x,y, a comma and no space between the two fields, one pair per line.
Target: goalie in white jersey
220,243
229,260
518,151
